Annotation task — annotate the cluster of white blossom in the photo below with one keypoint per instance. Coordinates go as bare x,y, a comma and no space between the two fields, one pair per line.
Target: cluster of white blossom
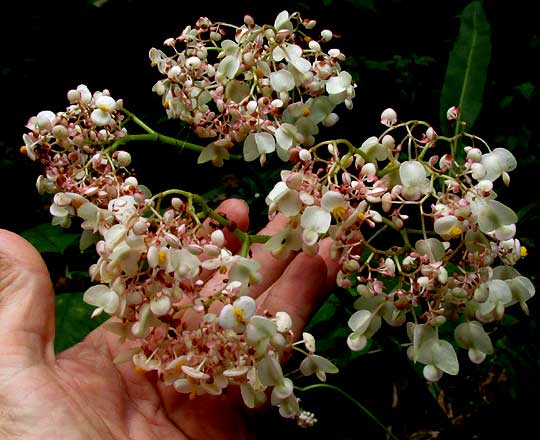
418,232
458,244
270,87
154,264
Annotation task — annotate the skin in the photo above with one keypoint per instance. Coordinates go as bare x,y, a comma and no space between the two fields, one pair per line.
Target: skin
82,394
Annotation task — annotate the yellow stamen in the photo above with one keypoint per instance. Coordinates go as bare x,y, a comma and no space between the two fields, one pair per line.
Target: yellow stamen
23,149
455,232
339,212
166,104
239,314
306,111
162,257
360,217
104,108
523,251
139,370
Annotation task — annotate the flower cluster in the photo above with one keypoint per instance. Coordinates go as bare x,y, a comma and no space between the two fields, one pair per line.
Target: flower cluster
270,87
156,257
458,244
412,216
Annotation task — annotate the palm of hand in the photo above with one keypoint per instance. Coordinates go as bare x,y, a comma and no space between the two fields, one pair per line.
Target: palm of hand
83,394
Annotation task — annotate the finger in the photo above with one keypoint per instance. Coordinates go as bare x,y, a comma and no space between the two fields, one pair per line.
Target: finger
26,304
271,267
237,212
332,264
299,291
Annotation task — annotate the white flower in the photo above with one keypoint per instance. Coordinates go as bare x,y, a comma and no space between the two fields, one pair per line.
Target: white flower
235,315
388,117
497,162
103,297
258,144
101,116
414,179
282,21
282,80
283,199
287,135
339,84
319,365
364,324
124,208
314,221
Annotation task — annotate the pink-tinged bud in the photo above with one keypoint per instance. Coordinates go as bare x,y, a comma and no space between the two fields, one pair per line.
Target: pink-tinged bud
140,227
314,45
193,63
304,155
430,134
326,35
334,53
124,158
478,171
309,24
177,203
59,132
388,117
45,119
485,186
452,113
388,142
218,238
73,96
368,170
386,202
474,154
248,20
132,181
169,216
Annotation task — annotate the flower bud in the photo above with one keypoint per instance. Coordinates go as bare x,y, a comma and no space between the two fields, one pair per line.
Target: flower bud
124,158
192,63
326,35
388,117
218,238
432,373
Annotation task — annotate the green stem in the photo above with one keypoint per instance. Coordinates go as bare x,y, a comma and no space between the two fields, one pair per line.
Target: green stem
138,121
154,136
352,399
246,238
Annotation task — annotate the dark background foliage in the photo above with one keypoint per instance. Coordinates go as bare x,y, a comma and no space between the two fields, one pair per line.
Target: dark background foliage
398,52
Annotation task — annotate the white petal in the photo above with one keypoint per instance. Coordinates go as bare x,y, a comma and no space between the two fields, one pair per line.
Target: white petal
282,81
247,305
266,143
229,66
359,321
251,151
333,199
338,84
316,219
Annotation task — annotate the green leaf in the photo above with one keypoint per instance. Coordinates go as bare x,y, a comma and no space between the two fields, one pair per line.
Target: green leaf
325,312
73,321
467,67
50,238
364,4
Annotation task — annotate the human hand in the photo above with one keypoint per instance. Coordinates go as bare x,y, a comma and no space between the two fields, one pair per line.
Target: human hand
82,394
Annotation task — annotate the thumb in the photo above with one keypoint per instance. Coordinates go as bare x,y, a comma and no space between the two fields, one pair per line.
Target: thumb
26,304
